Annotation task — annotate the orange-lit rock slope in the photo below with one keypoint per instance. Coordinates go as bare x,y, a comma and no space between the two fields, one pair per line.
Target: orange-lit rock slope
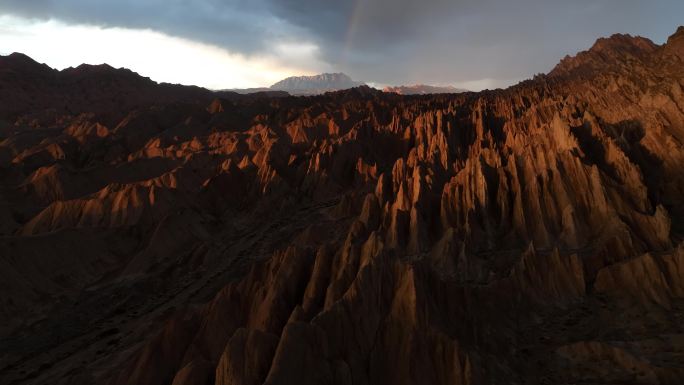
159,234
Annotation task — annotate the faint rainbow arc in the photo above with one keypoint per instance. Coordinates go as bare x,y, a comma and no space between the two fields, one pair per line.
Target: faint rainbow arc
352,27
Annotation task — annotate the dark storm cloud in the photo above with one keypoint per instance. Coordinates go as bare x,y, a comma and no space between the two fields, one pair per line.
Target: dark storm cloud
387,41
441,41
240,25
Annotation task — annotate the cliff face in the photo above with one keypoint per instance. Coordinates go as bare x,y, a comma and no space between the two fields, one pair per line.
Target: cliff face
527,235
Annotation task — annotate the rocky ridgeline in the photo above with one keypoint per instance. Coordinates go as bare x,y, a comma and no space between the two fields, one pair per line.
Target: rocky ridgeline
526,235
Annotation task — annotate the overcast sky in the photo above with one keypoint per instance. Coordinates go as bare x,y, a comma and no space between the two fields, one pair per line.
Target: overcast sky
247,43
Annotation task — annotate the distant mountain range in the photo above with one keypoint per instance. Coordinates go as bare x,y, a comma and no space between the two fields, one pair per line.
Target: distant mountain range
423,89
316,84
326,82
308,85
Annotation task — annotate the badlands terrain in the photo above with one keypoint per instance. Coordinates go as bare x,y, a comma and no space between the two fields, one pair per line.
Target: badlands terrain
161,234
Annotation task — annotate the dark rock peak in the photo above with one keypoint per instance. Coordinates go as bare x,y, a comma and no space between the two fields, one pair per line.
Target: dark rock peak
20,62
678,35
624,42
103,71
362,91
675,43
17,57
607,54
93,68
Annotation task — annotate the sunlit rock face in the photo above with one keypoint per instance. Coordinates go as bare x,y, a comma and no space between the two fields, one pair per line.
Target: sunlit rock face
173,236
